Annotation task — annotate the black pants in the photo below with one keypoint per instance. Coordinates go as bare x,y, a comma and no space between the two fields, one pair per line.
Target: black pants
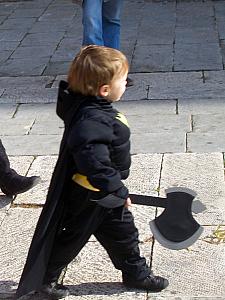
4,161
118,236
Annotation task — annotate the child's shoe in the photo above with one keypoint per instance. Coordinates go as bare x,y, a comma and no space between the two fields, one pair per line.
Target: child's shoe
55,290
151,283
14,183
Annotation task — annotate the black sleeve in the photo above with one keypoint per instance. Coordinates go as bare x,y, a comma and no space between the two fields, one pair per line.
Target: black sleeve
89,142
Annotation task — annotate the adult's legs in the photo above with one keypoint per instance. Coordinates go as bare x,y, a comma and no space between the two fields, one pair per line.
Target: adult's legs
92,22
12,183
111,12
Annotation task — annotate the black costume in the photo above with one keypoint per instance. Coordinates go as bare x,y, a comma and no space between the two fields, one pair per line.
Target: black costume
95,152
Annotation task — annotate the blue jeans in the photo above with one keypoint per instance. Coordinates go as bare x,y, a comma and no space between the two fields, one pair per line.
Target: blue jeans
101,23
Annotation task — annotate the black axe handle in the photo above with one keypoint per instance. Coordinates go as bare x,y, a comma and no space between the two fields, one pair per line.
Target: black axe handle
148,200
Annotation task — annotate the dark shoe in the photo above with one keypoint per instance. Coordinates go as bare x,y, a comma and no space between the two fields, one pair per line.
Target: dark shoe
130,82
55,290
151,283
17,184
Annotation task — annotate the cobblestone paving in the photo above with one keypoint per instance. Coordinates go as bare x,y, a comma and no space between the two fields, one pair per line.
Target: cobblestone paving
176,112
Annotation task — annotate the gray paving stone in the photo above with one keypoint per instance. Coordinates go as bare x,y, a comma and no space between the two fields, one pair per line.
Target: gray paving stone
206,142
196,35
214,77
15,237
4,55
22,23
185,298
202,172
172,79
1,92
24,81
27,13
219,9
197,57
49,26
33,4
55,15
23,67
37,39
75,33
200,91
62,55
191,21
12,35
2,18
58,67
2,214
11,127
53,128
20,164
34,52
209,123
5,45
68,43
144,174
41,112
160,12
197,9
173,85
201,106
146,107
6,9
42,166
158,142
152,58
156,35
210,256
33,95
223,50
197,273
32,145
221,30
129,34
161,123
137,92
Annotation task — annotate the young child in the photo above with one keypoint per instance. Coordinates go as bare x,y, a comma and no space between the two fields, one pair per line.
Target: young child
11,183
86,194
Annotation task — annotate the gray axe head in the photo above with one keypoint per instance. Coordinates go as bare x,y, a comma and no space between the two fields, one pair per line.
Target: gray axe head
176,228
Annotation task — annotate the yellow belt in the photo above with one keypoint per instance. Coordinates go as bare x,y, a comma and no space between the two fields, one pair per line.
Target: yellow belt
83,181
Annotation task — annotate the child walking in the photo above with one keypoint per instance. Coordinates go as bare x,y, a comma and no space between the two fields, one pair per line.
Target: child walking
86,194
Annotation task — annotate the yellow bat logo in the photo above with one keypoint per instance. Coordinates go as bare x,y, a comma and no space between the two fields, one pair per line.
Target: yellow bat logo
122,119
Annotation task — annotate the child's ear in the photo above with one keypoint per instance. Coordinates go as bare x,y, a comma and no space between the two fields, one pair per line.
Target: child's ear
104,90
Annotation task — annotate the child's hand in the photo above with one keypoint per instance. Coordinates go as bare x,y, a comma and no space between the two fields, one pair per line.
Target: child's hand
128,203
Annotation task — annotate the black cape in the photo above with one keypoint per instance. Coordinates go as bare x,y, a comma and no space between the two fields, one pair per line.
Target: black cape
53,209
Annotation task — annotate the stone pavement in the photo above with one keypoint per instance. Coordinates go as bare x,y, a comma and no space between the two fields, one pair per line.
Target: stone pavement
176,111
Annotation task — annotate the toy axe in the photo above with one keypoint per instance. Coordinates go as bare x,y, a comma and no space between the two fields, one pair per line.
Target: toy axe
175,228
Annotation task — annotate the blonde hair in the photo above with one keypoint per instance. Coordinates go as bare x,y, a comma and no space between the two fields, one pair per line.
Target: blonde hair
95,66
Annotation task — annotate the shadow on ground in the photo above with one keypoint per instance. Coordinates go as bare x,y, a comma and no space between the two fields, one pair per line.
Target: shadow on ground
90,288
5,200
